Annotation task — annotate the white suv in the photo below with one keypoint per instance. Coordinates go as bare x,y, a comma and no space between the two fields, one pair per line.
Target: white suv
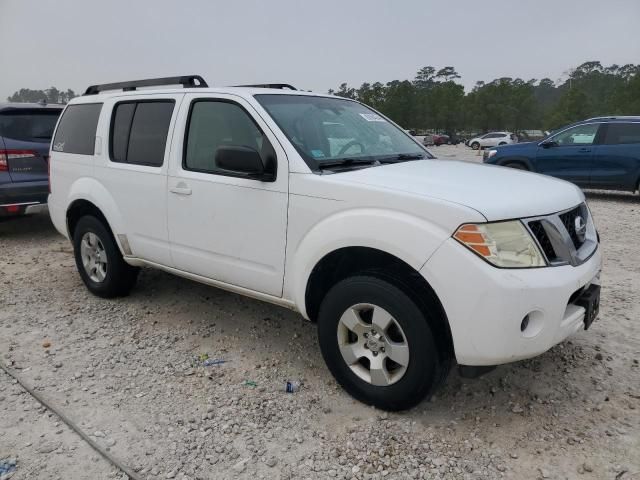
322,205
492,139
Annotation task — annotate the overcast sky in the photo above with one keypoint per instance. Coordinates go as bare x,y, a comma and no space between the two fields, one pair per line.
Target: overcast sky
312,44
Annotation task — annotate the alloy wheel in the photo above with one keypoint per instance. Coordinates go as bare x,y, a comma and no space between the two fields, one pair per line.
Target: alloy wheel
373,344
94,257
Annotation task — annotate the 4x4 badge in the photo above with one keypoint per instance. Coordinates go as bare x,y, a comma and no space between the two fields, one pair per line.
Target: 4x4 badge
581,228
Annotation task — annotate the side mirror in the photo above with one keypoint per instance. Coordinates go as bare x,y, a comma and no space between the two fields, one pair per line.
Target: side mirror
548,144
244,161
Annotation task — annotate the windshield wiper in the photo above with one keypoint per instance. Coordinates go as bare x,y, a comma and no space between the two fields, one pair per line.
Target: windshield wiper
402,157
346,162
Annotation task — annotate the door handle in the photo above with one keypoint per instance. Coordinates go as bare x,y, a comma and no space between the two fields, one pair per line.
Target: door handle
180,190
585,150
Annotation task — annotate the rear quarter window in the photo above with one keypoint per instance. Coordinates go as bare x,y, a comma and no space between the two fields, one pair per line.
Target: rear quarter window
76,132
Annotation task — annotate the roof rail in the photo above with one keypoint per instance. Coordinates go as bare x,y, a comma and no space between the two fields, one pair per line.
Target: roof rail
187,81
280,86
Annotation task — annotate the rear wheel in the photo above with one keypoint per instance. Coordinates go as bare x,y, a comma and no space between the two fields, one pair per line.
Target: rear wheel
516,165
475,145
378,343
99,261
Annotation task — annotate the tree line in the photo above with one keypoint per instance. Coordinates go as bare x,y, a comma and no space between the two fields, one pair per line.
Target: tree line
49,95
435,101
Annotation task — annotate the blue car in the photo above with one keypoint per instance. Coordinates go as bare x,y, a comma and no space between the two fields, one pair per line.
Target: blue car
25,136
602,152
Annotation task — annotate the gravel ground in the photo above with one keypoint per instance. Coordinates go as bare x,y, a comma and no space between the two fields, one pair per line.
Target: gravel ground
128,372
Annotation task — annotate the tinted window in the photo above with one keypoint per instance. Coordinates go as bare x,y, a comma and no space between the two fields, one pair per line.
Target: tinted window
579,135
120,129
619,133
29,125
213,124
139,132
76,132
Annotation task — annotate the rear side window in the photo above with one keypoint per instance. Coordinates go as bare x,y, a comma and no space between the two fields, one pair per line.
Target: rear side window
76,132
29,125
621,133
139,132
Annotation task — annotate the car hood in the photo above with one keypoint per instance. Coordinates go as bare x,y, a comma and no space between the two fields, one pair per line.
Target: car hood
498,193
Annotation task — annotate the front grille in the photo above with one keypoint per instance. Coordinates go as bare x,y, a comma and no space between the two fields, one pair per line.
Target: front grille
569,221
543,239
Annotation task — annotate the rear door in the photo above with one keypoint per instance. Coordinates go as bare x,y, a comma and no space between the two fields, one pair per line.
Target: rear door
26,136
616,162
133,168
568,154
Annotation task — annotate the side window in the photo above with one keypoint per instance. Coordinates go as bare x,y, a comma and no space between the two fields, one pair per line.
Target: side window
622,133
139,132
213,124
76,132
579,135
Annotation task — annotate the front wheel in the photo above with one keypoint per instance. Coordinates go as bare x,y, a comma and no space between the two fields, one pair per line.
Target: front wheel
378,343
475,145
99,261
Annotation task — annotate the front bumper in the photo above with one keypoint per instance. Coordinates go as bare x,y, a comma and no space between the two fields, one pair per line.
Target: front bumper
485,305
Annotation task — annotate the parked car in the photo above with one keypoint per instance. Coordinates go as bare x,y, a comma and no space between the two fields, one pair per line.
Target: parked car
492,139
428,140
25,134
406,263
601,152
440,139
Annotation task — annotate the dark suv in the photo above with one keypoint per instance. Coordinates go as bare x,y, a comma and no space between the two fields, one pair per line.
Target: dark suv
25,135
602,152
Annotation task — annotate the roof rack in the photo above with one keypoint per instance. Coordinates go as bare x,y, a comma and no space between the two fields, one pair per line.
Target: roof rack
280,86
187,81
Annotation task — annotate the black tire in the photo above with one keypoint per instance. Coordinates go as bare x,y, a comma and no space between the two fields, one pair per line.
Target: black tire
120,276
424,371
516,165
502,143
475,145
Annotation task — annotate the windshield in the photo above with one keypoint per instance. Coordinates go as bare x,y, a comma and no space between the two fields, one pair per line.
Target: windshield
329,131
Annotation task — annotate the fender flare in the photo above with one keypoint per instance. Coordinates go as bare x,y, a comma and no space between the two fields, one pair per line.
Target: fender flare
406,237
90,190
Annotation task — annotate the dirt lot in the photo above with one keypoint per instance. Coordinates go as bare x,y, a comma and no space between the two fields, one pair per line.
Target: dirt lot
127,372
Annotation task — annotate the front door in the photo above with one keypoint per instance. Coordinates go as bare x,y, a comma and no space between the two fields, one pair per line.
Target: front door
568,154
222,225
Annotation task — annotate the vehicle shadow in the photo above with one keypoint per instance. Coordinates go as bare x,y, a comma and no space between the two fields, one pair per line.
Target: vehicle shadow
27,226
510,393
607,195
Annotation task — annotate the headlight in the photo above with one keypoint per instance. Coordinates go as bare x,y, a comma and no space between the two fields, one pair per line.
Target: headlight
491,153
503,244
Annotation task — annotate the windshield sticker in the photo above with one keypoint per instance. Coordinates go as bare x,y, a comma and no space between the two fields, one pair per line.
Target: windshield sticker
58,147
372,117
317,153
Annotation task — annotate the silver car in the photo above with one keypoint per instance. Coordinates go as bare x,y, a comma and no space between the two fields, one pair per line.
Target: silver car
492,139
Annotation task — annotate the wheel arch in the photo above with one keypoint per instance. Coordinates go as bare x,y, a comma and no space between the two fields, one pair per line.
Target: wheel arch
89,197
356,260
521,160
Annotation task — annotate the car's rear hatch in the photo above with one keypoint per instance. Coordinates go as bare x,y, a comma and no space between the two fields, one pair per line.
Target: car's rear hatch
26,136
